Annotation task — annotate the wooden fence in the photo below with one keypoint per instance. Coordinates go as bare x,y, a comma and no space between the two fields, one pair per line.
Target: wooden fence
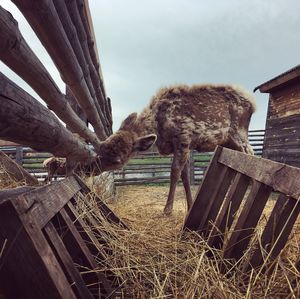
146,168
231,200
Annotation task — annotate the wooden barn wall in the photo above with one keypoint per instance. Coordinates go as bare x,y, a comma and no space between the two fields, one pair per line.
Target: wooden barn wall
282,137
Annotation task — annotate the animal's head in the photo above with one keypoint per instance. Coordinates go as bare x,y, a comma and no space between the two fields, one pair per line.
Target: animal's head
117,149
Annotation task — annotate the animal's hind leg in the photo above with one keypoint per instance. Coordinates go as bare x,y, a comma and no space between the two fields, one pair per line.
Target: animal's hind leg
185,177
239,141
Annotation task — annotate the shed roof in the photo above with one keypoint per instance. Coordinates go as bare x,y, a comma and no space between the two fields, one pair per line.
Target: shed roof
279,80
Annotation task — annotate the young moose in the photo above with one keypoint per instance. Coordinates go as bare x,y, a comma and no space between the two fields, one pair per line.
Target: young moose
182,118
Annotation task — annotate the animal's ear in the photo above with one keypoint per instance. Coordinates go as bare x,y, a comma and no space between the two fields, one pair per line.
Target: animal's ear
128,123
143,143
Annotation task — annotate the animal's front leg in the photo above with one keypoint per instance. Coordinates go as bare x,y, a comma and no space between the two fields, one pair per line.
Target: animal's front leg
185,177
179,160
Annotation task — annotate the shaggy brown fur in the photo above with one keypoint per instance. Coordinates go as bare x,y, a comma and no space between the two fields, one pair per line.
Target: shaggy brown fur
184,118
54,166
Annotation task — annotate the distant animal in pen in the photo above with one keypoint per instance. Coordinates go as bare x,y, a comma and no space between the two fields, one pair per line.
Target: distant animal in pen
54,166
183,118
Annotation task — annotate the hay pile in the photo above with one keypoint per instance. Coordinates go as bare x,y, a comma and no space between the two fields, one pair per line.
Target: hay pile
7,181
153,262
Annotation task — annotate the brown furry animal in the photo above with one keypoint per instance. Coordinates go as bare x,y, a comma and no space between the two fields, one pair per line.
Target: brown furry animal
183,118
54,166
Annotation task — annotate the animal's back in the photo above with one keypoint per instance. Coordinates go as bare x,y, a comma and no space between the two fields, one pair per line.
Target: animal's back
199,115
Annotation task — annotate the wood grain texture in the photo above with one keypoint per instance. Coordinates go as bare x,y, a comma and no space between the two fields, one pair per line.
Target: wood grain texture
44,20
25,121
28,268
281,177
16,54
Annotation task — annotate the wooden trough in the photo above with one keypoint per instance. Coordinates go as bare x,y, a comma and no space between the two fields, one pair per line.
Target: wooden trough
46,250
235,180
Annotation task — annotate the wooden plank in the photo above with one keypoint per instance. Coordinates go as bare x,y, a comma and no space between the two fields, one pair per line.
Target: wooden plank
104,209
216,200
231,205
206,189
76,282
247,221
14,192
81,255
277,230
43,203
281,177
28,267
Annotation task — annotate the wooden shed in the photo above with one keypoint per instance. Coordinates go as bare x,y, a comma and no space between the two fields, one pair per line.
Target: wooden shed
282,137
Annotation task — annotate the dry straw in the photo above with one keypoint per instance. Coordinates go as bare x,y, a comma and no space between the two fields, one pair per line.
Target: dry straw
154,262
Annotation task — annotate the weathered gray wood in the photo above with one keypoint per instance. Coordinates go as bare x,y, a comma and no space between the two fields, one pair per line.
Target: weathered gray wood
277,231
247,221
14,192
71,33
16,171
206,189
15,53
230,206
43,18
25,121
28,267
94,74
281,177
45,202
79,250
216,202
67,261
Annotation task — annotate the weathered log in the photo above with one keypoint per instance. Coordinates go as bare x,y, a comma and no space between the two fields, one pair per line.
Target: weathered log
43,18
25,121
16,54
75,106
71,33
86,17
15,171
82,35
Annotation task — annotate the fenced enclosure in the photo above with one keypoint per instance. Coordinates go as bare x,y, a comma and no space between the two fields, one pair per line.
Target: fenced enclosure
145,168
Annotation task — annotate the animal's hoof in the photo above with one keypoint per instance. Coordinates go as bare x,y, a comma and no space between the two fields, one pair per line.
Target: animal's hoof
168,211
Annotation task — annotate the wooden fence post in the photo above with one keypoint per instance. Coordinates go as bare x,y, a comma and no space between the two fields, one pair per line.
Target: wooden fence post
19,155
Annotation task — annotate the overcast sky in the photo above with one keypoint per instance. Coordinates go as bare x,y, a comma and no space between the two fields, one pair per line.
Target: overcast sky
145,45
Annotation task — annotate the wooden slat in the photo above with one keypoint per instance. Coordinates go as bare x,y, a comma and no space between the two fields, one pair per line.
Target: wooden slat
43,203
104,209
207,188
77,282
81,255
216,201
231,204
9,193
247,221
277,230
280,177
28,267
